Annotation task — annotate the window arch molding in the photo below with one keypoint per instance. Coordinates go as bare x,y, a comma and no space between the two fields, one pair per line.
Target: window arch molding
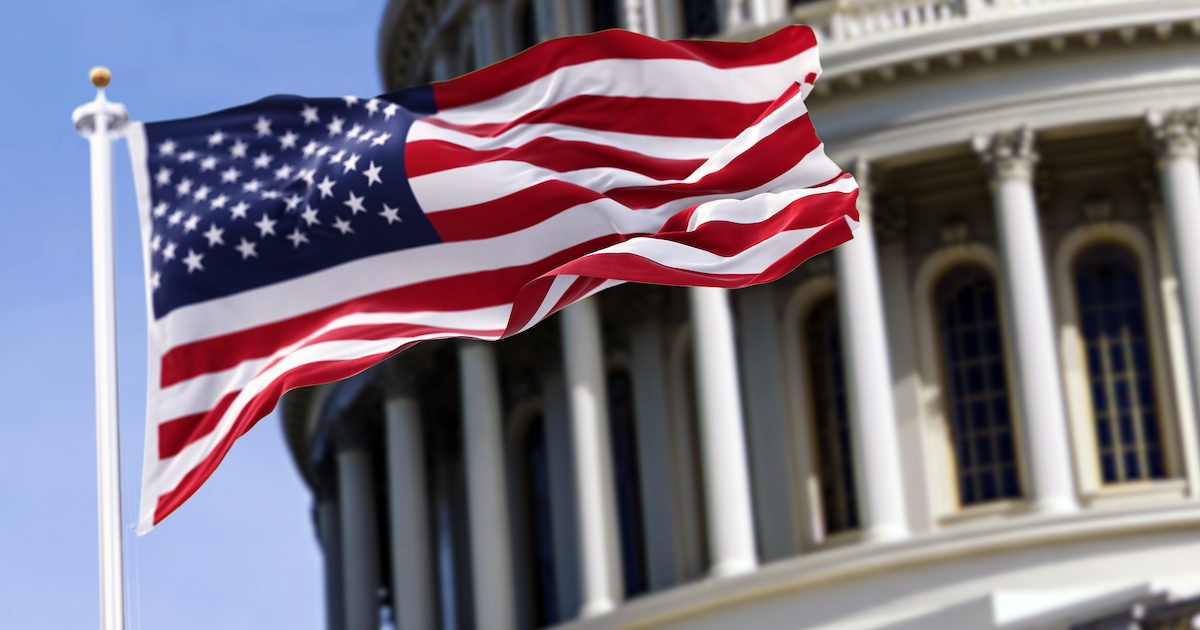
799,396
1178,436
937,455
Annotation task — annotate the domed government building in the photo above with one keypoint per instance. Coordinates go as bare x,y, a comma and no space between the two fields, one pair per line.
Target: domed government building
979,414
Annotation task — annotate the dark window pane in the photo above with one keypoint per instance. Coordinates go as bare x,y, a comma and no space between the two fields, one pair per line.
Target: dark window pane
966,493
1099,397
1151,428
1158,467
1109,295
1121,390
983,451
1133,467
1125,422
971,344
1116,358
1108,468
1103,434
987,488
1004,446
1011,486
987,306
831,422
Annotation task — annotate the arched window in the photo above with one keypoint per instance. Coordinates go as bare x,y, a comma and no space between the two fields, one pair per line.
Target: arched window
539,529
976,386
605,15
527,28
831,417
1113,316
700,18
627,481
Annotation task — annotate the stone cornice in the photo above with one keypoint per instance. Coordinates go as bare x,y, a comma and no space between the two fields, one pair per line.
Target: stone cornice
871,42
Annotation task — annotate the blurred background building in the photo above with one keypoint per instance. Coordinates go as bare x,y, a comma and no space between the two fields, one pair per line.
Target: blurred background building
978,414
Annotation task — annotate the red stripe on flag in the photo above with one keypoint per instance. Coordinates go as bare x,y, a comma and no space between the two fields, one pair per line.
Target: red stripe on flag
668,117
456,293
432,156
547,57
175,435
517,211
633,268
768,159
262,404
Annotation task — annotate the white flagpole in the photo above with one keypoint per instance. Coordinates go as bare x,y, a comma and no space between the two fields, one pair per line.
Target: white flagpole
100,122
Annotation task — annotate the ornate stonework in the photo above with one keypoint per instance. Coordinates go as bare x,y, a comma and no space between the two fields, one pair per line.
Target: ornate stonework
1008,154
891,223
1176,134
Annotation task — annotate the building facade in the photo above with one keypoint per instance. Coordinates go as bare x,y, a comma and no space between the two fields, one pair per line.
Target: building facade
980,413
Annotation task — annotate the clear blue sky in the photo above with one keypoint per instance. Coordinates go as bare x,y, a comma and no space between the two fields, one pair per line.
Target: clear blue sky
242,552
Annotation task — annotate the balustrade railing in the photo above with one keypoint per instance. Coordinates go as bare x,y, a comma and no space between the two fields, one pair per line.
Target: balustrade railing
851,22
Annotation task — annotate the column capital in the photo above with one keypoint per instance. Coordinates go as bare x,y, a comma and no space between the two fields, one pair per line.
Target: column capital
1008,154
1176,134
860,168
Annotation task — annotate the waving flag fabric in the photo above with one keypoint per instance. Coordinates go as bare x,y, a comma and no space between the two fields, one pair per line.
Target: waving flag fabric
295,241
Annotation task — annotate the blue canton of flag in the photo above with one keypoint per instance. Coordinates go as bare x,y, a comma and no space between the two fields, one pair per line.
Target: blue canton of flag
277,189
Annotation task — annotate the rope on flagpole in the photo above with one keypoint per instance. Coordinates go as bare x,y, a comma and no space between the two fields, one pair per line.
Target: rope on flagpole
101,122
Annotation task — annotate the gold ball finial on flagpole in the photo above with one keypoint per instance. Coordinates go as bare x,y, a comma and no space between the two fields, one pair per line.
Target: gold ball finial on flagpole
100,77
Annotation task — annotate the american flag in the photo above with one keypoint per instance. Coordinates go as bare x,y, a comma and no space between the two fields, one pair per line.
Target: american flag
295,241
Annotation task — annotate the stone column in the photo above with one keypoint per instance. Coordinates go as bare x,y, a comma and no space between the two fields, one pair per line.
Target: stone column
359,525
487,491
488,48
722,434
634,18
876,445
412,565
1010,158
1177,140
601,577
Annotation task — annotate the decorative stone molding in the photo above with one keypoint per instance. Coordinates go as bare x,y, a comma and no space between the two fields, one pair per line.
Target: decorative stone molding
1175,134
955,230
1097,208
1007,154
891,223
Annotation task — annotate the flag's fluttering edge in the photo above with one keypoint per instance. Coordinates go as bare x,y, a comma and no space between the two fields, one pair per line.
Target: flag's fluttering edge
295,241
